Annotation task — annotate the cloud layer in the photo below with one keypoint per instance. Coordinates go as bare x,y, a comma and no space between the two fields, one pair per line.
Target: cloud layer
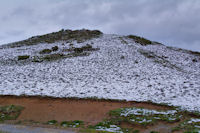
172,22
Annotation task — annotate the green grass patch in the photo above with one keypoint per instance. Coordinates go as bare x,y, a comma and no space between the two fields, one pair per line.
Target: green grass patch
10,112
45,51
52,122
72,124
23,57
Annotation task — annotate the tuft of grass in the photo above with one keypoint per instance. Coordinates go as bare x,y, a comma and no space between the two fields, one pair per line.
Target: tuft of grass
122,57
55,48
194,60
73,124
23,57
10,112
109,125
78,50
141,40
52,122
37,59
45,51
87,47
194,53
82,49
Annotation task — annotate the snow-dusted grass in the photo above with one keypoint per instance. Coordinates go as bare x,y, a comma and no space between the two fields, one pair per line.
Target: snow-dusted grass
191,125
142,116
140,111
136,117
169,76
110,127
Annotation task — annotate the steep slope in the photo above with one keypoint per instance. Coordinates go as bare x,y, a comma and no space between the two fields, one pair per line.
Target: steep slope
103,66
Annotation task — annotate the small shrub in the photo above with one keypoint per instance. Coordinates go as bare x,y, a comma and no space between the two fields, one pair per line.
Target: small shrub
45,51
80,40
122,57
87,47
71,44
194,53
54,48
36,59
78,50
52,122
74,124
23,57
194,60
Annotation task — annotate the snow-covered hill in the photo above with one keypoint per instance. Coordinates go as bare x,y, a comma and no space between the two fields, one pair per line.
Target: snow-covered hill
104,66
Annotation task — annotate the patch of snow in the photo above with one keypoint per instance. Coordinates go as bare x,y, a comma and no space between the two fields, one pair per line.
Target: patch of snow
140,111
194,120
169,77
141,121
112,128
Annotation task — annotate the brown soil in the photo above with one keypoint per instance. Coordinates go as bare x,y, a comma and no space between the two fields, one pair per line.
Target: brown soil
90,111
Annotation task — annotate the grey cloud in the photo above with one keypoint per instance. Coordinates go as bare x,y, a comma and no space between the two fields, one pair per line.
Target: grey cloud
172,22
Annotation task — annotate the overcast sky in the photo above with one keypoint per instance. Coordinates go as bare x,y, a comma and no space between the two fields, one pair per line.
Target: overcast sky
171,22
